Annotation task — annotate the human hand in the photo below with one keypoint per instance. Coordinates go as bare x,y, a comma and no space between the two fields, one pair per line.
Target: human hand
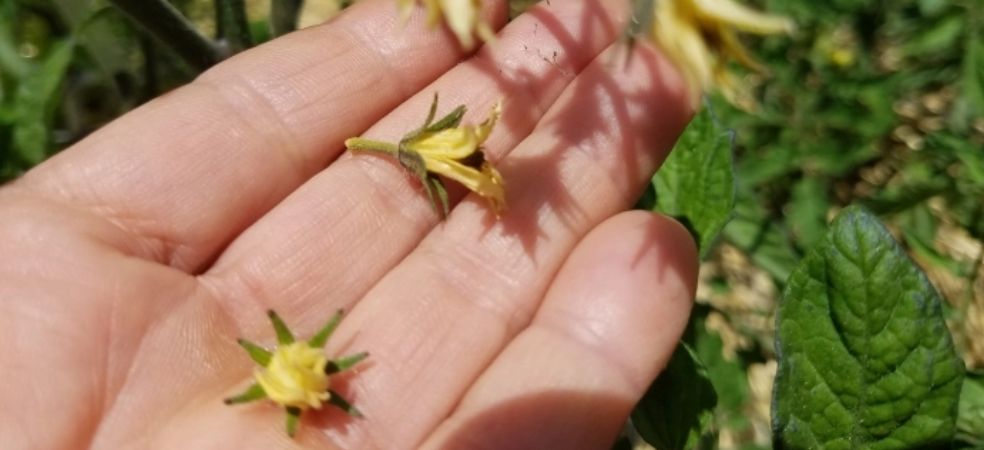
133,260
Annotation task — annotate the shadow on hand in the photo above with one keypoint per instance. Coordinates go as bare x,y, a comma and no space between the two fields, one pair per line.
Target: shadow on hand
552,419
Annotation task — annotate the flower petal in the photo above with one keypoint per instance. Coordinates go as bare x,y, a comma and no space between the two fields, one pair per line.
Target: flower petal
486,183
676,31
451,143
729,12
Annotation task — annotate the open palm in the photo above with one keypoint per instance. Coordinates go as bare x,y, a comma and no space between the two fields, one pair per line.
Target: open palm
133,260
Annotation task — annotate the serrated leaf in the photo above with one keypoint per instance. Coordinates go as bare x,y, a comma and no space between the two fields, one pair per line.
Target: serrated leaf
865,358
696,184
970,419
679,406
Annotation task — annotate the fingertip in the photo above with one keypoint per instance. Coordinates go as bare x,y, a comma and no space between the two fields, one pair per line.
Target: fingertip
627,290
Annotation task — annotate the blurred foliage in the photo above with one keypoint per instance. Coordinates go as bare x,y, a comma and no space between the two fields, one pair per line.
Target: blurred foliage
874,103
871,102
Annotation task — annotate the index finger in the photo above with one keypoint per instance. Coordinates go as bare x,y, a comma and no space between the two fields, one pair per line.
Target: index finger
185,173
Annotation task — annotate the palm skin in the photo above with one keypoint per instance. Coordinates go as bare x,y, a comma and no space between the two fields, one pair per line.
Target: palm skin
135,259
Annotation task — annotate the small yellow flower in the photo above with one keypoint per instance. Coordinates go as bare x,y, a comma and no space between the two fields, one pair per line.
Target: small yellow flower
447,148
456,154
464,17
701,36
296,375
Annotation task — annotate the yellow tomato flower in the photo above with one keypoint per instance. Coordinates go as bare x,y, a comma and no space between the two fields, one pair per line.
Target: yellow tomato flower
456,154
701,36
296,375
445,147
464,18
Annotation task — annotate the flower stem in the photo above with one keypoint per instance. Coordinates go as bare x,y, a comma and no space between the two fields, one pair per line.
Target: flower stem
283,16
165,22
370,145
232,24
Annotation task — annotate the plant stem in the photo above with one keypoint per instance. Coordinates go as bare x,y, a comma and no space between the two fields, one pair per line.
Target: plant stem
232,24
363,144
163,21
283,16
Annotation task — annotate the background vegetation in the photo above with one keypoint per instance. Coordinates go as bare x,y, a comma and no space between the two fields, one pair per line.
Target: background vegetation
873,103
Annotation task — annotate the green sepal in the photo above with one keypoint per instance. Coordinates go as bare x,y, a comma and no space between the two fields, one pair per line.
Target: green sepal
254,392
256,353
412,161
431,114
343,404
293,417
438,195
451,120
284,336
337,365
319,339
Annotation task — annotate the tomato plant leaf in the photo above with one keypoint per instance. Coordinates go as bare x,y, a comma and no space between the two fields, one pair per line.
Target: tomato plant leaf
678,408
865,358
970,420
696,184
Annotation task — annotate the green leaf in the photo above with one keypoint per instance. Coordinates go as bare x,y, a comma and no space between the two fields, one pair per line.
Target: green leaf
865,359
696,184
678,408
970,420
971,102
35,101
808,211
941,36
762,237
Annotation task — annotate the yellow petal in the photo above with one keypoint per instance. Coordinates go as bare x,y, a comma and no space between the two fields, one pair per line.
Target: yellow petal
452,143
741,17
732,47
485,128
677,33
462,16
295,376
406,8
433,12
486,183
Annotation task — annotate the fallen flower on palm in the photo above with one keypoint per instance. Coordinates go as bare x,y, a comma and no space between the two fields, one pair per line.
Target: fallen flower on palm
446,148
296,375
